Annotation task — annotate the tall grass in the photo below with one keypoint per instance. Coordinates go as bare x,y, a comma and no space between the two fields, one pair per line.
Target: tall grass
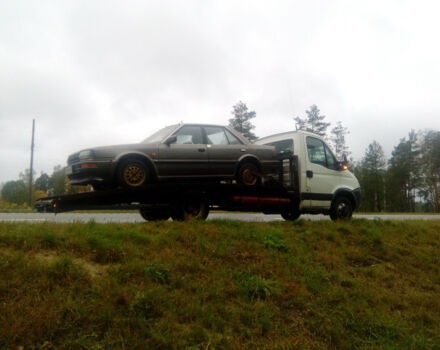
220,285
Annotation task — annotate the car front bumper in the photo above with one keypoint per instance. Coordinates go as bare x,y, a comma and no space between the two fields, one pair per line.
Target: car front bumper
90,172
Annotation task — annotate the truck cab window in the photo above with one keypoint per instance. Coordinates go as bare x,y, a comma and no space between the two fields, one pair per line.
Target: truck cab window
331,160
316,151
284,146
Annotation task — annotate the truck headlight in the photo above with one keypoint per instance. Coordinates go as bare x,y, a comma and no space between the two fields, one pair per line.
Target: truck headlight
87,154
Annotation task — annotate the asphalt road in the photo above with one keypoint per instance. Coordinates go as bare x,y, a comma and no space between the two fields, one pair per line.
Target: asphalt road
134,217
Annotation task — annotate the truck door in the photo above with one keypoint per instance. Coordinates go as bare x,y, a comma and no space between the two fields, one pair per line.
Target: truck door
322,173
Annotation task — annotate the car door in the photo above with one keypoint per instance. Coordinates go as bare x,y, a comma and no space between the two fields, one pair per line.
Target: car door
322,173
224,150
186,157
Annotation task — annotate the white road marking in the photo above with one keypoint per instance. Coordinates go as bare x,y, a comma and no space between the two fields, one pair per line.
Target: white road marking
18,219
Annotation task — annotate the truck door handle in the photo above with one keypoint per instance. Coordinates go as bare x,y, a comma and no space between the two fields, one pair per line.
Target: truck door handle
202,149
309,174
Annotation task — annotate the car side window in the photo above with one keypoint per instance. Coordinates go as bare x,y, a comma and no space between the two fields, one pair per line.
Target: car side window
331,161
216,136
316,151
284,146
232,139
189,135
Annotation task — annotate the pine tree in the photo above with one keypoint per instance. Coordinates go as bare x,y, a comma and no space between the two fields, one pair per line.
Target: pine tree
241,120
429,187
314,122
404,173
338,140
372,178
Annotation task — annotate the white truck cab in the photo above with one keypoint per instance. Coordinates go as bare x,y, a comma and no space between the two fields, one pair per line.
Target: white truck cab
325,184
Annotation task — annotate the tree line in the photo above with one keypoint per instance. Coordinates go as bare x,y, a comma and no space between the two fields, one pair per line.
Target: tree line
407,182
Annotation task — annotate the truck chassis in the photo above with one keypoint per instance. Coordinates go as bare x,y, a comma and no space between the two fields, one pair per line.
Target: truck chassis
184,200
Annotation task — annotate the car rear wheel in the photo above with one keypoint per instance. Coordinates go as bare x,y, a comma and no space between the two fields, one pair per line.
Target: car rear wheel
248,174
341,209
133,173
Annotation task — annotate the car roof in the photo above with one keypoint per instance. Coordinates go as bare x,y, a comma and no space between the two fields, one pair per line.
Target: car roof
232,130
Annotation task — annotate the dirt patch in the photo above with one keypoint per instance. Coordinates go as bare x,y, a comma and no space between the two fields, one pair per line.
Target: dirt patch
92,269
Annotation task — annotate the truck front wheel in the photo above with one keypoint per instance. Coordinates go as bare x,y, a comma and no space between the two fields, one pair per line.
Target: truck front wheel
341,209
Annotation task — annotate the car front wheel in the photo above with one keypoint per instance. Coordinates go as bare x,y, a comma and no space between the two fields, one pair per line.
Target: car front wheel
133,173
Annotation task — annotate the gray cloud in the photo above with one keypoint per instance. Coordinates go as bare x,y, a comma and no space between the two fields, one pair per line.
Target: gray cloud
105,72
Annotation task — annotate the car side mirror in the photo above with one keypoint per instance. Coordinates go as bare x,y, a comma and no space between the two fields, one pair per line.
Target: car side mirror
170,140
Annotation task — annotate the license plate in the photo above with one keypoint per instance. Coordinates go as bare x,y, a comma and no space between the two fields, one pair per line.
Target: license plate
69,170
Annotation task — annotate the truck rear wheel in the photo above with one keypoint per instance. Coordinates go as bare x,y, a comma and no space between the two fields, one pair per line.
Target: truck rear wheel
191,208
290,214
154,215
341,209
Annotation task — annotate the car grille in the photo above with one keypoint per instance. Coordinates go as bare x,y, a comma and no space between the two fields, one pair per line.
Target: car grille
73,158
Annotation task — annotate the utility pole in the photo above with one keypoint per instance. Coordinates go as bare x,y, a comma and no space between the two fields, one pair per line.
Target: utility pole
32,163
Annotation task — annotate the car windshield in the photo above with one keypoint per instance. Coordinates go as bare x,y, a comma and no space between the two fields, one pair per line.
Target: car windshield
161,134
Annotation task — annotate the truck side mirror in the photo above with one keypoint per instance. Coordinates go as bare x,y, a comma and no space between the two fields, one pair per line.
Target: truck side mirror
344,164
170,140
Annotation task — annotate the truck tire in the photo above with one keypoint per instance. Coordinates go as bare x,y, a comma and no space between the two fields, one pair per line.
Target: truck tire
133,173
191,208
248,174
341,209
290,214
154,215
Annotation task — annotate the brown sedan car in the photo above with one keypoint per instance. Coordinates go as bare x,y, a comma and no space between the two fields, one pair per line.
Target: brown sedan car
185,151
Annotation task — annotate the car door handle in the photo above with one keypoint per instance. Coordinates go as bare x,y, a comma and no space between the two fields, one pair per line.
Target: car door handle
202,149
309,174
243,150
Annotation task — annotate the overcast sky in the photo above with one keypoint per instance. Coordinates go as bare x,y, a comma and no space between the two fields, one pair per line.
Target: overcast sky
108,72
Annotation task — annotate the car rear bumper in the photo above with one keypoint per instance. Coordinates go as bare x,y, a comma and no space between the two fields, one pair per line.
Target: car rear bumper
90,172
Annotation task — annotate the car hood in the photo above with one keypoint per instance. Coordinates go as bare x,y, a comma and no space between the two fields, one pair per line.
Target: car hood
112,151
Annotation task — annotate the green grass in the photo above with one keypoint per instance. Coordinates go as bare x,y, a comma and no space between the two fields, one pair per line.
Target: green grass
220,285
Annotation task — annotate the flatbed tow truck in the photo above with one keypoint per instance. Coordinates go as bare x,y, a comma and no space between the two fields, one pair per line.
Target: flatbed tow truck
309,180
185,200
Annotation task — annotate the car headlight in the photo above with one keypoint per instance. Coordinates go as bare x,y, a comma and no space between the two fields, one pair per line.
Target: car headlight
87,154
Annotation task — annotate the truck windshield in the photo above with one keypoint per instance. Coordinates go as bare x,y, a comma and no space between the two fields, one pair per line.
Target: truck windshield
161,134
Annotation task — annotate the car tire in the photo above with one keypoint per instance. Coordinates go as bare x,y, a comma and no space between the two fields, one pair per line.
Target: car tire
248,174
133,173
290,213
154,215
341,209
191,208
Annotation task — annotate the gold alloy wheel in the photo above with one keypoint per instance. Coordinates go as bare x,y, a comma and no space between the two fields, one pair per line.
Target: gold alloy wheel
134,175
249,177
